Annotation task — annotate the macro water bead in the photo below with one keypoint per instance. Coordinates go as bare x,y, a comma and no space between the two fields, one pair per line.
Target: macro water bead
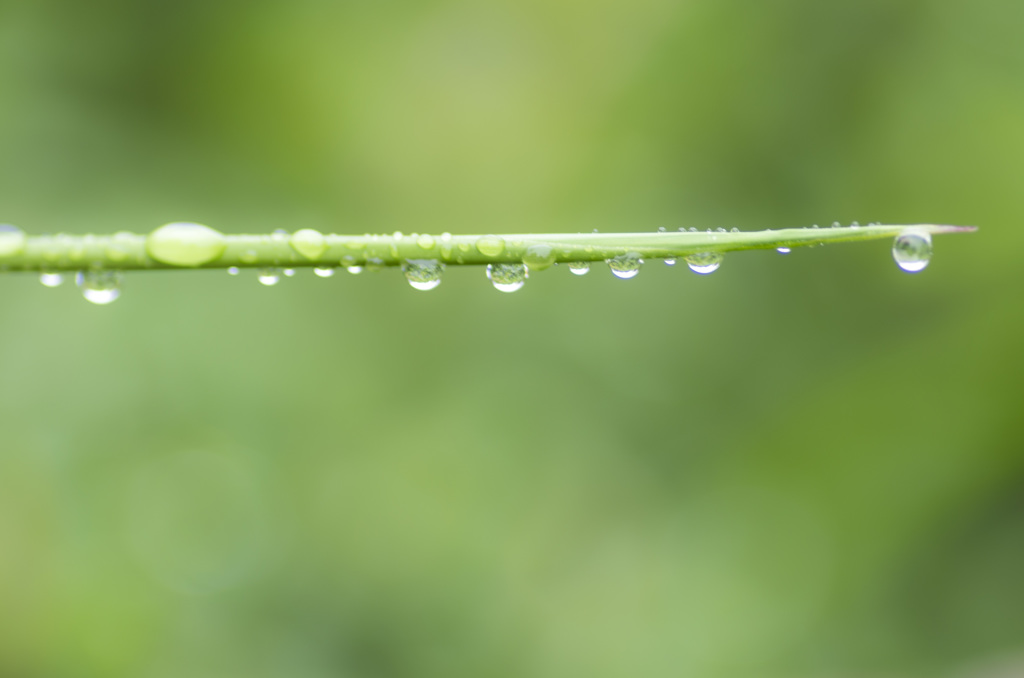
185,244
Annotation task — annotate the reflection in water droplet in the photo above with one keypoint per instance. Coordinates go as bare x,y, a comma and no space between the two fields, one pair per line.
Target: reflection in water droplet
423,274
579,267
507,277
490,245
783,250
323,272
99,287
670,262
185,244
539,257
912,250
625,266
269,276
704,262
51,279
233,270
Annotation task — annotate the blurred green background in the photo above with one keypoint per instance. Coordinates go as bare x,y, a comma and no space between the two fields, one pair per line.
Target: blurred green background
800,467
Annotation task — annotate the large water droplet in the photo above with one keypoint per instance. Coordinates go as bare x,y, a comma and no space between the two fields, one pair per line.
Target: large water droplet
423,274
507,277
99,287
12,240
51,279
323,272
491,246
625,266
704,262
184,244
309,243
539,257
579,267
269,276
912,250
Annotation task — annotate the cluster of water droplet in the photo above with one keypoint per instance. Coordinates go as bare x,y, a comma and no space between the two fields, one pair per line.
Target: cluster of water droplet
194,245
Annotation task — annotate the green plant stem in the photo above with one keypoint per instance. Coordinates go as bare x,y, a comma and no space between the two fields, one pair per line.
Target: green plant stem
127,251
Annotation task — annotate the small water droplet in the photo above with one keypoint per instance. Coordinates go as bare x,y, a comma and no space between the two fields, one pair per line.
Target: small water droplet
397,235
579,267
323,272
51,279
309,243
670,262
354,270
289,272
625,266
423,274
720,230
507,277
855,225
269,276
912,250
373,264
539,257
783,250
446,237
233,270
98,286
12,240
704,262
815,226
836,224
490,245
249,256
425,241
693,229
661,229
734,230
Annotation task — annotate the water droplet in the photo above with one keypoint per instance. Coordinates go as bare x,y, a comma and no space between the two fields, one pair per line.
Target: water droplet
355,244
233,270
99,287
309,243
625,266
289,272
12,240
661,229
855,225
704,262
373,264
269,276
912,250
249,256
51,279
354,270
539,257
426,241
119,247
185,244
446,237
670,262
693,229
507,277
490,245
783,250
397,235
423,274
815,226
579,267
836,224
720,230
734,230
323,272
